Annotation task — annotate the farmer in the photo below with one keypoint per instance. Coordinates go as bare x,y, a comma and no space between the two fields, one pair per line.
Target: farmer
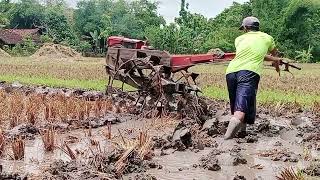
243,74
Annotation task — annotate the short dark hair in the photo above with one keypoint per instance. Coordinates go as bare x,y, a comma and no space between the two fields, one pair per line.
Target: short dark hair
253,28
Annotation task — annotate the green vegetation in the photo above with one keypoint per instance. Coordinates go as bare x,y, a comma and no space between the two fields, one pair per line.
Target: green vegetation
26,48
99,85
89,74
86,74
268,96
294,24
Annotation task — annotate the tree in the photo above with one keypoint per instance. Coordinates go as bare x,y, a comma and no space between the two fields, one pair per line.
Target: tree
5,8
301,27
57,25
26,14
3,21
270,13
87,17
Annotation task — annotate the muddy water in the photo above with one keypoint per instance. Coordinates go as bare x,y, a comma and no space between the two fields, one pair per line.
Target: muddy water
179,165
176,165
36,159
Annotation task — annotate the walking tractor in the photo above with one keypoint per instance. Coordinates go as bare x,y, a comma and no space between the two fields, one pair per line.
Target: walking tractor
156,75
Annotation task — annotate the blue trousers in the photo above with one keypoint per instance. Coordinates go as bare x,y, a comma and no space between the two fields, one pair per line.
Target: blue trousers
242,88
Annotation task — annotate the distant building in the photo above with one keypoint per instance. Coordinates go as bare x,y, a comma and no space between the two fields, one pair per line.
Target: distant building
11,37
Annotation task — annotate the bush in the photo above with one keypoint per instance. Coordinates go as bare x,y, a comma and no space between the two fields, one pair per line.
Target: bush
26,48
46,38
84,46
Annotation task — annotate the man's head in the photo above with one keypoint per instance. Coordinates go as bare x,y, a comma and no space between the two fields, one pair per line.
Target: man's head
250,24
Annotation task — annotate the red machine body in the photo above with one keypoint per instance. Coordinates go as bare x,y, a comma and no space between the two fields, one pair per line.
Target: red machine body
118,41
183,62
152,71
177,62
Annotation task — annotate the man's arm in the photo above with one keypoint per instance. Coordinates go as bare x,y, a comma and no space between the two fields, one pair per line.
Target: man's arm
272,57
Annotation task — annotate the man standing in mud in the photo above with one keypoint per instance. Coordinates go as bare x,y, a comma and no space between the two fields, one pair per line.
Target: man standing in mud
243,74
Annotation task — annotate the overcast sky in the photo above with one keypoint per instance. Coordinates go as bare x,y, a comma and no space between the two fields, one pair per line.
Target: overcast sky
209,8
170,8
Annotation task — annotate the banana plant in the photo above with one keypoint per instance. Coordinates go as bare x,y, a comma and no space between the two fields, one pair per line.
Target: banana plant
305,55
95,39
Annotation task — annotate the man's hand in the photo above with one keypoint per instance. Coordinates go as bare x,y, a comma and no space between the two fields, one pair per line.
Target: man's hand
277,63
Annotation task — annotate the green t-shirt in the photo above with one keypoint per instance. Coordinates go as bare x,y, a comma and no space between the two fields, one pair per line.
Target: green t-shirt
251,49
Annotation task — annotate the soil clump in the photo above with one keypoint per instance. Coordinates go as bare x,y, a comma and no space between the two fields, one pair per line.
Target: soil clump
26,131
313,170
280,155
211,161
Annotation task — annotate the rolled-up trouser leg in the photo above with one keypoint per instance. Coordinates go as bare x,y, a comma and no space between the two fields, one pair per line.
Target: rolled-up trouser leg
242,88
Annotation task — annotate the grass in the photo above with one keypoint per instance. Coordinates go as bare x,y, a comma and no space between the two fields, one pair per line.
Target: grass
90,74
302,88
86,74
56,82
268,96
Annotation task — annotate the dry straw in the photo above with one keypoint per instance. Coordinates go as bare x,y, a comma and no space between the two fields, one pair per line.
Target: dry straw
107,132
2,142
289,174
18,147
68,151
18,107
141,146
48,139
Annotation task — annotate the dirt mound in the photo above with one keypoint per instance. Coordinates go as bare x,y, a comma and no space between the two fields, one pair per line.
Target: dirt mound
57,51
216,51
4,54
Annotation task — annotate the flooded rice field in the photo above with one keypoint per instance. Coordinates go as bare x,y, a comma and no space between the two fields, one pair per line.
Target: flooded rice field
72,134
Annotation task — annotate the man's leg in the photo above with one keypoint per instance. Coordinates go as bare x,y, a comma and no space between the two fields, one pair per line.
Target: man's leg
239,115
235,122
243,126
232,89
247,83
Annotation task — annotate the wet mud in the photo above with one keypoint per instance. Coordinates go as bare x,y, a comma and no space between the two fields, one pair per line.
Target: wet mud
187,144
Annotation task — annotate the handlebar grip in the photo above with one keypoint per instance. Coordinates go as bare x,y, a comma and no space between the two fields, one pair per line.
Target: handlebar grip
296,67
